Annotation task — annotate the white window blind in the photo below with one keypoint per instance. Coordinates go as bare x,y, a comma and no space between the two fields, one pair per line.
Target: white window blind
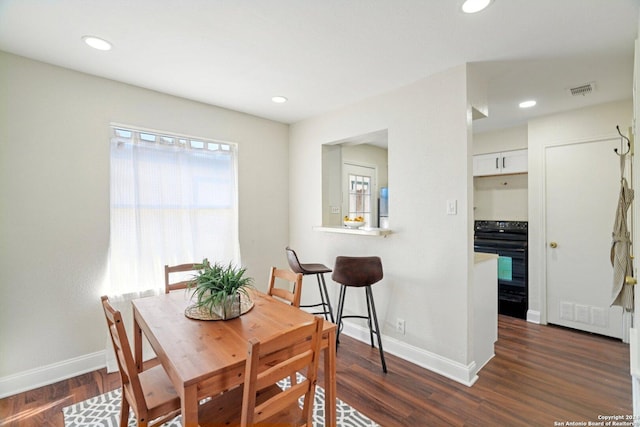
173,201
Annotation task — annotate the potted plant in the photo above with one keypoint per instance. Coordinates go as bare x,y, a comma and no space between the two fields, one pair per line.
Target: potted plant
218,288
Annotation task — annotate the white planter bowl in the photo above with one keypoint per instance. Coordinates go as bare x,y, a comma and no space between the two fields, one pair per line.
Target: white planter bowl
354,224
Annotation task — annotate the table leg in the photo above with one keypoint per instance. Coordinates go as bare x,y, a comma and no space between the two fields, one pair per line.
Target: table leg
330,380
137,341
189,403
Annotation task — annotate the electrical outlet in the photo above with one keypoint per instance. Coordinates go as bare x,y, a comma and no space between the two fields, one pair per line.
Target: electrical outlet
335,209
400,325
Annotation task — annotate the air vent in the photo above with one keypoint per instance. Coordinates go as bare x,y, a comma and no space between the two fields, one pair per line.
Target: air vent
583,89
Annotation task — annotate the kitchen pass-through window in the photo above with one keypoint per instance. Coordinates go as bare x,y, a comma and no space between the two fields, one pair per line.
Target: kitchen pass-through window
173,200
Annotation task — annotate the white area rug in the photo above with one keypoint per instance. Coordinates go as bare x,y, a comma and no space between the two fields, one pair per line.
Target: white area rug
104,410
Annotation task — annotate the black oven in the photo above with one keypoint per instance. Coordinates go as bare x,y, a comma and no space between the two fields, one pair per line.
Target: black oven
509,240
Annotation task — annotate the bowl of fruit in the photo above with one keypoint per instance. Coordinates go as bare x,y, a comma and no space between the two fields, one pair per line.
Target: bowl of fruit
356,222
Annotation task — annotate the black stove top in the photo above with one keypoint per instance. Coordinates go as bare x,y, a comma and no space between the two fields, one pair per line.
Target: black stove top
502,226
495,231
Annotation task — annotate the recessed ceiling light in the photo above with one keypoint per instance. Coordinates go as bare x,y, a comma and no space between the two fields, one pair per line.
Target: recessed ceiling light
527,104
279,99
473,6
97,42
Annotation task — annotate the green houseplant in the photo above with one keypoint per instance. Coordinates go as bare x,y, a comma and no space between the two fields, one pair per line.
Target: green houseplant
218,288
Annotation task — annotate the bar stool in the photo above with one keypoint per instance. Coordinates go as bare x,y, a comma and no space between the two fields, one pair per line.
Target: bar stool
359,272
318,270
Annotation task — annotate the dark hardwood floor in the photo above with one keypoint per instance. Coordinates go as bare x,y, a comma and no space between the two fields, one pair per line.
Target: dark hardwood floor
541,375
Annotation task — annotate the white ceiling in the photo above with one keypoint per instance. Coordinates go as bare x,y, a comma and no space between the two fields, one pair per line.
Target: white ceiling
326,54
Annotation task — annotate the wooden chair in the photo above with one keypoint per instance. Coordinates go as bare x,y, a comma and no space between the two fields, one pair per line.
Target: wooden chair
183,284
293,297
269,361
149,393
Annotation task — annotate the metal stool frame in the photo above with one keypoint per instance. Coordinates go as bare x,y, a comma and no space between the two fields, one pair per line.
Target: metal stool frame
371,306
318,270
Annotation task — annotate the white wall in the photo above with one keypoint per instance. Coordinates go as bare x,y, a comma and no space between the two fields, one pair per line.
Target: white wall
636,184
592,123
54,213
501,197
369,155
513,138
428,259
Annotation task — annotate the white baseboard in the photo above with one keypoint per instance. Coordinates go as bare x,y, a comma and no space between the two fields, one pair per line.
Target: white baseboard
464,374
45,375
533,316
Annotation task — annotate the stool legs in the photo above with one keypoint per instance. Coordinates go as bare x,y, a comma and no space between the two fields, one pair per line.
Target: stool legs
343,291
377,332
324,296
372,320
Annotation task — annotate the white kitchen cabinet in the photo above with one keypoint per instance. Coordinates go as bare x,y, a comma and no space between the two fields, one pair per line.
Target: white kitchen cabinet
485,309
500,163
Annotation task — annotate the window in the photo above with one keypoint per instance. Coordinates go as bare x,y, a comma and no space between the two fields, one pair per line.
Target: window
360,197
360,192
173,201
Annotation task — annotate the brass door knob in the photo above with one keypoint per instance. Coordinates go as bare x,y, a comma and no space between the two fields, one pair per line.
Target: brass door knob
553,245
629,280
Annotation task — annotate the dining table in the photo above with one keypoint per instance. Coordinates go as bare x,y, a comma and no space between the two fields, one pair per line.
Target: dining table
206,357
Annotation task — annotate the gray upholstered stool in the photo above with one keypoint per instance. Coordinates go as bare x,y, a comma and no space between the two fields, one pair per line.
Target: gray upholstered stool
359,272
318,270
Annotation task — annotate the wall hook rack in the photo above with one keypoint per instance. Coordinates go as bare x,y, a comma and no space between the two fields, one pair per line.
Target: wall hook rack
622,139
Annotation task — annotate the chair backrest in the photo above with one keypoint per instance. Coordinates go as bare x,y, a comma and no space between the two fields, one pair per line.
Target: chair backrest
357,271
292,297
182,268
284,355
126,365
294,262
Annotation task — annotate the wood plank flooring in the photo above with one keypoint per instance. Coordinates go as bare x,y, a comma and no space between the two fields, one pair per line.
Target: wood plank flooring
540,376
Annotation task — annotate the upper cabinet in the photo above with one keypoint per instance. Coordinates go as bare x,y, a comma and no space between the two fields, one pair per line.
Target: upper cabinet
500,163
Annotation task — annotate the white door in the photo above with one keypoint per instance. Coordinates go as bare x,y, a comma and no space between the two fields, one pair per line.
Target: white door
360,193
582,186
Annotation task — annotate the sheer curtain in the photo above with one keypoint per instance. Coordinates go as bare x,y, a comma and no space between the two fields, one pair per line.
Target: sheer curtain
173,201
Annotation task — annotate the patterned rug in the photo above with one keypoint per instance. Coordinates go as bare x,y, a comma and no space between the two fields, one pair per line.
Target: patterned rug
104,410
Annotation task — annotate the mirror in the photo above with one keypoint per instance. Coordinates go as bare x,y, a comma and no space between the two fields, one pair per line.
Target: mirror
355,180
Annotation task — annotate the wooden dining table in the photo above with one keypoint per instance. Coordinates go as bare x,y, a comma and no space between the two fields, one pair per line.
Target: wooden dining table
206,357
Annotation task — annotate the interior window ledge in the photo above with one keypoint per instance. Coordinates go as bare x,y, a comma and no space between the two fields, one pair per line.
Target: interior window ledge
364,231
